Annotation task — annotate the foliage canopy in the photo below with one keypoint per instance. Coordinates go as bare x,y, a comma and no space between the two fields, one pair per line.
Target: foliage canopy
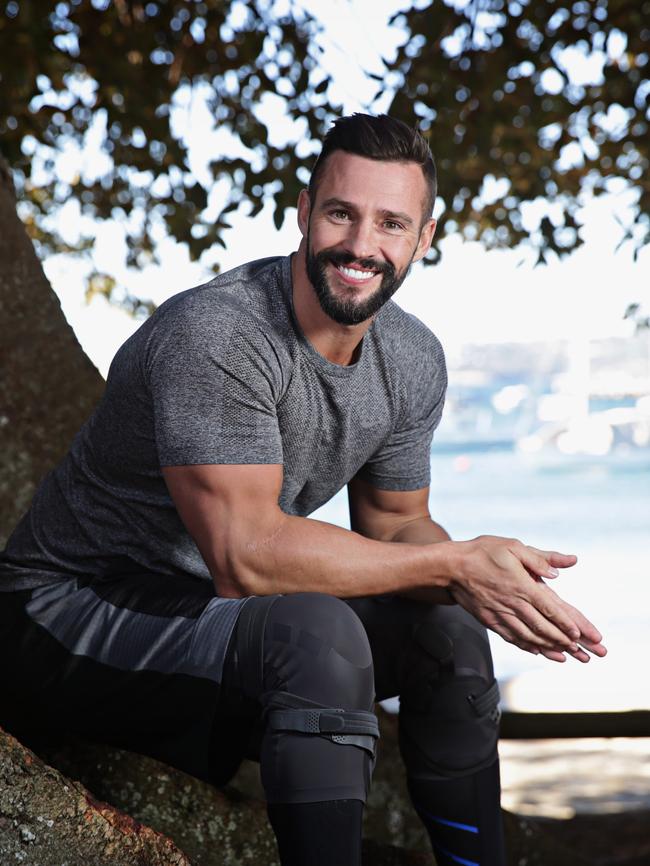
551,98
110,74
524,101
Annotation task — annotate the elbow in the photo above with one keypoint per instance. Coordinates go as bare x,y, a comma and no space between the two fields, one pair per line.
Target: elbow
236,576
243,563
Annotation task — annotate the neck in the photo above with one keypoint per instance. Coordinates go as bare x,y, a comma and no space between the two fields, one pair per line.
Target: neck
338,343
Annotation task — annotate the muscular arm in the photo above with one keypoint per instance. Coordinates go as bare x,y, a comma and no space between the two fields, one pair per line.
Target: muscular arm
252,548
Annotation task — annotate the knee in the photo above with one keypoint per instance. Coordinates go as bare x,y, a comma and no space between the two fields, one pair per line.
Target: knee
316,646
320,732
449,715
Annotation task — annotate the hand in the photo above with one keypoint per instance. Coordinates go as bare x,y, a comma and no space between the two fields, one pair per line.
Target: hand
500,581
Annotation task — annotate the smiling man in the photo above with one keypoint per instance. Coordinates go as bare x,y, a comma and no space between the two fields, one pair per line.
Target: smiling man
166,591
406,234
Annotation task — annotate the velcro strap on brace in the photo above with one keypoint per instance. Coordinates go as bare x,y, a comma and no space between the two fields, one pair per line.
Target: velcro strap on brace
487,703
341,726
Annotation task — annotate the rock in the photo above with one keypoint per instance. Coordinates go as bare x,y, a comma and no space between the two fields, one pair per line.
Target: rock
148,799
212,828
48,820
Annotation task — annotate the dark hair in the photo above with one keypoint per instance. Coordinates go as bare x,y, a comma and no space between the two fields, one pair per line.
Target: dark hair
382,138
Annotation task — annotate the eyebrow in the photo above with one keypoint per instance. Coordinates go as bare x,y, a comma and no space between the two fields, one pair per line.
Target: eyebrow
386,214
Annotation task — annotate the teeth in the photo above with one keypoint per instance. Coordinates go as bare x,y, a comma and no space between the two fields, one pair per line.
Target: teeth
355,274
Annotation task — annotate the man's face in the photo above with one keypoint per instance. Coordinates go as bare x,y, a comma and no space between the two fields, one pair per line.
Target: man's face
363,231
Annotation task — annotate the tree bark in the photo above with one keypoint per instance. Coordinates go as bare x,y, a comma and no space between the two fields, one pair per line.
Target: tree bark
50,820
48,386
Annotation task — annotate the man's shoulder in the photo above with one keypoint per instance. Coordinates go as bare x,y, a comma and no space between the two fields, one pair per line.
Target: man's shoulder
406,338
250,300
255,288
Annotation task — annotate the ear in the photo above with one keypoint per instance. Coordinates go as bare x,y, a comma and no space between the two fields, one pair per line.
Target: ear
304,208
426,236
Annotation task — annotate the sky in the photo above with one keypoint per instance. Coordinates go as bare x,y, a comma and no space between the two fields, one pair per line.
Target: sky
472,296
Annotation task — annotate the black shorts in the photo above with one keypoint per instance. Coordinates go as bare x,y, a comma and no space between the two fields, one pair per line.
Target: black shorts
128,661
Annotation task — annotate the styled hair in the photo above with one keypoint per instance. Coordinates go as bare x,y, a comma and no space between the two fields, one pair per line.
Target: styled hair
380,137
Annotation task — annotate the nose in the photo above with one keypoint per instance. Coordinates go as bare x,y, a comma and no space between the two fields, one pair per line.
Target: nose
360,240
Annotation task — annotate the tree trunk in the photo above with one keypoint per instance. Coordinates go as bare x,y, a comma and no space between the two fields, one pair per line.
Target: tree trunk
48,386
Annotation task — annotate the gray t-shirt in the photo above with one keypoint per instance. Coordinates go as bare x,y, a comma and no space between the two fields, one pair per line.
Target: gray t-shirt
222,374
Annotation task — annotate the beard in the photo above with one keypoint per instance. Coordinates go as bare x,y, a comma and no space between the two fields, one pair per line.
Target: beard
347,311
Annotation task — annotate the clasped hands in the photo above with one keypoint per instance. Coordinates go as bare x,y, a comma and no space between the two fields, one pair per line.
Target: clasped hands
501,581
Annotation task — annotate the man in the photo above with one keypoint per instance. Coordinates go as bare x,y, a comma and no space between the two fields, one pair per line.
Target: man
237,409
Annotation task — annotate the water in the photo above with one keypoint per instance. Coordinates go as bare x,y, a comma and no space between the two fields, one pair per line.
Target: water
597,508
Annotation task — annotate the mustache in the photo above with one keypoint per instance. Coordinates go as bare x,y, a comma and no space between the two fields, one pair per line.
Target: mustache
338,257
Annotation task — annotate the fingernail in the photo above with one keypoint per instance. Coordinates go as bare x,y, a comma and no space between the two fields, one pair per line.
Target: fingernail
553,572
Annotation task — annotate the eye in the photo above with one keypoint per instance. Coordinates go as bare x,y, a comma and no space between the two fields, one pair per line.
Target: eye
340,214
393,225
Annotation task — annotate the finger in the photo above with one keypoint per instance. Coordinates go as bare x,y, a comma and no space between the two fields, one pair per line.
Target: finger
555,559
543,562
562,615
544,616
554,655
595,649
559,560
527,628
581,656
529,648
589,637
589,634
511,630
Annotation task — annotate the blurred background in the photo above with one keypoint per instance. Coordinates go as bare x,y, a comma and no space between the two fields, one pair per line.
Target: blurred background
153,144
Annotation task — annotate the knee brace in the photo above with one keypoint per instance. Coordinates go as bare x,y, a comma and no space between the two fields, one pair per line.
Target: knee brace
449,705
286,712
306,658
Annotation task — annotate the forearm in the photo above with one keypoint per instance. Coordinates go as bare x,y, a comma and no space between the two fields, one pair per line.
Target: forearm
421,531
296,554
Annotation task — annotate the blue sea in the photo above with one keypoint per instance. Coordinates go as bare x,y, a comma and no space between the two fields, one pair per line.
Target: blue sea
597,508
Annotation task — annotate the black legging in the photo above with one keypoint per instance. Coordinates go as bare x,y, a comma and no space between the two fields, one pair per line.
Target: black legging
333,654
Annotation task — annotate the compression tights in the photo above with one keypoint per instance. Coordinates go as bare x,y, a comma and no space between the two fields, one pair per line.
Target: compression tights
474,837
329,833
460,810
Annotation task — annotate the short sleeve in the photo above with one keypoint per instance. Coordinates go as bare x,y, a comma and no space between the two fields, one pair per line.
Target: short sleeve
403,461
214,388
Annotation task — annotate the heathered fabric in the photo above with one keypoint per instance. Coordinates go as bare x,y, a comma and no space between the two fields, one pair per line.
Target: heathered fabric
222,374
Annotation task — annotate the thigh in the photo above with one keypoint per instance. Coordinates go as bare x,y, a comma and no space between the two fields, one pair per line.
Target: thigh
391,624
135,661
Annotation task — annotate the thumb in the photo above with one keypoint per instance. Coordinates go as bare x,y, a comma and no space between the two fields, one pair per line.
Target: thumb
545,563
559,560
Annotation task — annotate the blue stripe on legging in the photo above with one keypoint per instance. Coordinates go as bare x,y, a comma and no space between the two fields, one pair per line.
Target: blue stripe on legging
469,827
455,857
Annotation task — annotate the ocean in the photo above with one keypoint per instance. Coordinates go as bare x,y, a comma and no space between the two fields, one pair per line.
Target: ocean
597,508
